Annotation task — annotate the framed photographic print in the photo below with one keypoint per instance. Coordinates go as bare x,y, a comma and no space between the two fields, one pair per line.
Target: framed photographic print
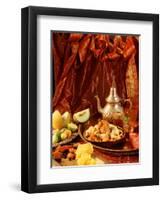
90,99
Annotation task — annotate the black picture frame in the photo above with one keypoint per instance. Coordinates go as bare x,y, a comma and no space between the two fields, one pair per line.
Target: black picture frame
29,98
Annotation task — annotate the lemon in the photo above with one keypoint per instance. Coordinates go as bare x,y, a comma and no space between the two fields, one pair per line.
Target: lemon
66,118
57,121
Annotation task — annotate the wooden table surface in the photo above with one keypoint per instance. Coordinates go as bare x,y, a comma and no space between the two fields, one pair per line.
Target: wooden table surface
108,158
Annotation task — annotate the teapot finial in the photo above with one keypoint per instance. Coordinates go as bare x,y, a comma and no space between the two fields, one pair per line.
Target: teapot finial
113,96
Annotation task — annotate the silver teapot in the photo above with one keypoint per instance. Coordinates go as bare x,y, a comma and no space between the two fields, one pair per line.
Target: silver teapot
114,106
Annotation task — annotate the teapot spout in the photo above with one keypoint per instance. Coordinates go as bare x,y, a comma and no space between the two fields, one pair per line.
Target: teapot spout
99,108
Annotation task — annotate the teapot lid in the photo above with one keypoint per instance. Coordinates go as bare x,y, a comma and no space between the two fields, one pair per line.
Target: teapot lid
113,96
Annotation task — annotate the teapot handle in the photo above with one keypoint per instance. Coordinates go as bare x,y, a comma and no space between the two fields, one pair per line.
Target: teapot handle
130,102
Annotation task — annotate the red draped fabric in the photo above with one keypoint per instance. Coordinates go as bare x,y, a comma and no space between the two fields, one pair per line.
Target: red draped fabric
86,64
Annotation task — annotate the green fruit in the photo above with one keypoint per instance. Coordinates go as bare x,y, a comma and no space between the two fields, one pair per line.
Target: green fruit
82,116
73,127
56,137
63,136
66,134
